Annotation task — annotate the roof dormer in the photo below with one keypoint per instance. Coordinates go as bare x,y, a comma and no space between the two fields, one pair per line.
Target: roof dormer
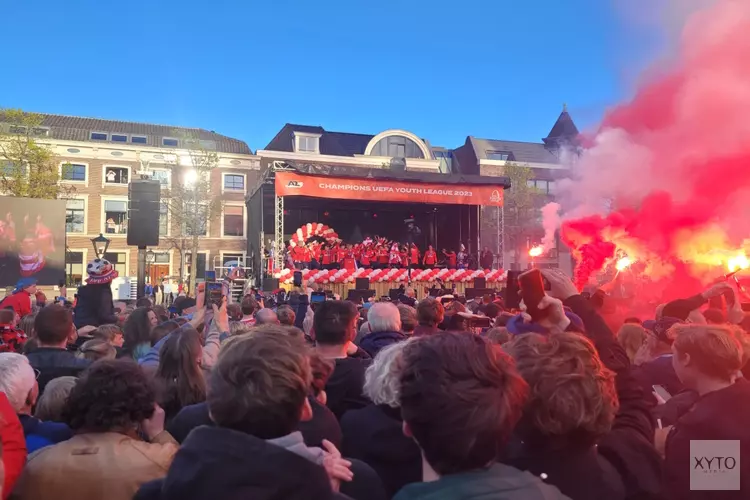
306,142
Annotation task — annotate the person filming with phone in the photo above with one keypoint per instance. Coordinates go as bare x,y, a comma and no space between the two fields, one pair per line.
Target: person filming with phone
586,427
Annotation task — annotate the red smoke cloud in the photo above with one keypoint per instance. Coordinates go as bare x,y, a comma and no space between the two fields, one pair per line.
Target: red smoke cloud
673,164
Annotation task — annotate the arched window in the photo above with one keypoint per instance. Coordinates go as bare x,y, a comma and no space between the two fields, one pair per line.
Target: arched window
397,146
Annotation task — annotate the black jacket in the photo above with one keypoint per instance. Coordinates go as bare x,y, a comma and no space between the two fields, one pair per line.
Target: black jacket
374,342
323,424
53,362
658,371
720,415
94,306
624,464
344,387
374,435
221,463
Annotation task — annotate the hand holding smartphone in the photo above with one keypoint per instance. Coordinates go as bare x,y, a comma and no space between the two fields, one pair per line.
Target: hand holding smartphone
532,287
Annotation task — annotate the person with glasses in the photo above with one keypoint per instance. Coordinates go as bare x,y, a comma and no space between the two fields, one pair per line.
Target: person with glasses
18,380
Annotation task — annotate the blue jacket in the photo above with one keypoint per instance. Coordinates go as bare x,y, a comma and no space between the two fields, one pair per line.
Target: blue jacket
40,434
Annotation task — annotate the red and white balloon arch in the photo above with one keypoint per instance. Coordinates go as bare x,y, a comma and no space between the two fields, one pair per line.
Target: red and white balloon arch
312,230
391,275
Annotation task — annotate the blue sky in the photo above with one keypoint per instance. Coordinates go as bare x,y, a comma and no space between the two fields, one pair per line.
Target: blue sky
442,69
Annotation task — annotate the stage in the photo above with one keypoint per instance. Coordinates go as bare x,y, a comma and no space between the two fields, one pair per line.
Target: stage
358,202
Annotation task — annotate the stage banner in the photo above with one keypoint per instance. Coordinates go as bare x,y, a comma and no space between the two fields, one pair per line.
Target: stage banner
337,188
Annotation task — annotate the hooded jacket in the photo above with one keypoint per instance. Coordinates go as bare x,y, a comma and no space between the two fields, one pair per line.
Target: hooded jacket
215,462
374,342
497,482
720,415
94,306
20,302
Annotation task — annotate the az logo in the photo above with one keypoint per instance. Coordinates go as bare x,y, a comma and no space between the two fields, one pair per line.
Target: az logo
294,184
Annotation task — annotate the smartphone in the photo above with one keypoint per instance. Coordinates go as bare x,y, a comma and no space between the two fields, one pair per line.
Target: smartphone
317,297
662,392
214,294
531,284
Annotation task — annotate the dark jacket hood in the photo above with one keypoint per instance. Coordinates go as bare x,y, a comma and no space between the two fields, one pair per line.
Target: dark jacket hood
94,306
214,462
374,342
496,482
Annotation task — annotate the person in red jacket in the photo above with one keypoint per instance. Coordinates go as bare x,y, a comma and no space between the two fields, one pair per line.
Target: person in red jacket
13,445
367,256
430,257
20,299
325,256
450,258
414,255
383,256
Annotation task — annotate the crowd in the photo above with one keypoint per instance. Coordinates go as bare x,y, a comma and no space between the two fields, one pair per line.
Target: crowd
333,400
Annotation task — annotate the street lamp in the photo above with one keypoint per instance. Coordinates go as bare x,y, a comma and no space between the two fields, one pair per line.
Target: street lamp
150,256
101,244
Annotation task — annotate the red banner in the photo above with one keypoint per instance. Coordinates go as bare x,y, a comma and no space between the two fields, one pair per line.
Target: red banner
338,188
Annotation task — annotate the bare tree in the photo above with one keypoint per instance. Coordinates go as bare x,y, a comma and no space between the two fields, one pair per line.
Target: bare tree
191,201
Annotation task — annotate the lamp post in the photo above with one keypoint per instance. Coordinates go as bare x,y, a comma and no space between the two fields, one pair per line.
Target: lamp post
101,244
150,258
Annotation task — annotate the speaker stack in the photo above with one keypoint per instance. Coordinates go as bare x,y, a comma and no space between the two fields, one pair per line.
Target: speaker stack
144,197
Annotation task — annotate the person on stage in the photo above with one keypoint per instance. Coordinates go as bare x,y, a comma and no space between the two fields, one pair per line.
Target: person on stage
382,255
487,259
325,256
414,255
462,257
450,258
430,258
368,254
341,255
348,262
394,259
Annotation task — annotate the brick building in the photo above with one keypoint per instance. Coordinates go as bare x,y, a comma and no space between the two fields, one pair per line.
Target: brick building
104,155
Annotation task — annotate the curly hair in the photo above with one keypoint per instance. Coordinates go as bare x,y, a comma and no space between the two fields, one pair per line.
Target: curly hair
111,396
631,337
573,399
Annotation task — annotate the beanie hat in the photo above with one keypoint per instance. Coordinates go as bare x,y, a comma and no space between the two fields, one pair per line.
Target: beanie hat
100,271
660,327
24,283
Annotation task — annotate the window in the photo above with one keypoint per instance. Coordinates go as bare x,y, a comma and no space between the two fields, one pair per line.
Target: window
99,136
233,221
545,187
232,259
161,258
307,144
118,261
170,142
74,172
396,146
17,130
9,169
161,175
163,218
201,261
116,175
119,138
498,155
115,216
74,268
75,211
234,182
138,139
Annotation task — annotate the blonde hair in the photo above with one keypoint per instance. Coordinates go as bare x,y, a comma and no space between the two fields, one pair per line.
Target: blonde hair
382,384
499,335
51,402
713,349
631,337
572,393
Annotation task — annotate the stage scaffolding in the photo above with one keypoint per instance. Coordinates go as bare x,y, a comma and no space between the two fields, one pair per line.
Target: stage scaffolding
268,177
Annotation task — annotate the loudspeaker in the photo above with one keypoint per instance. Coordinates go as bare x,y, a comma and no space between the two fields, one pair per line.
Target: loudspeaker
297,278
270,284
480,282
362,284
144,197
